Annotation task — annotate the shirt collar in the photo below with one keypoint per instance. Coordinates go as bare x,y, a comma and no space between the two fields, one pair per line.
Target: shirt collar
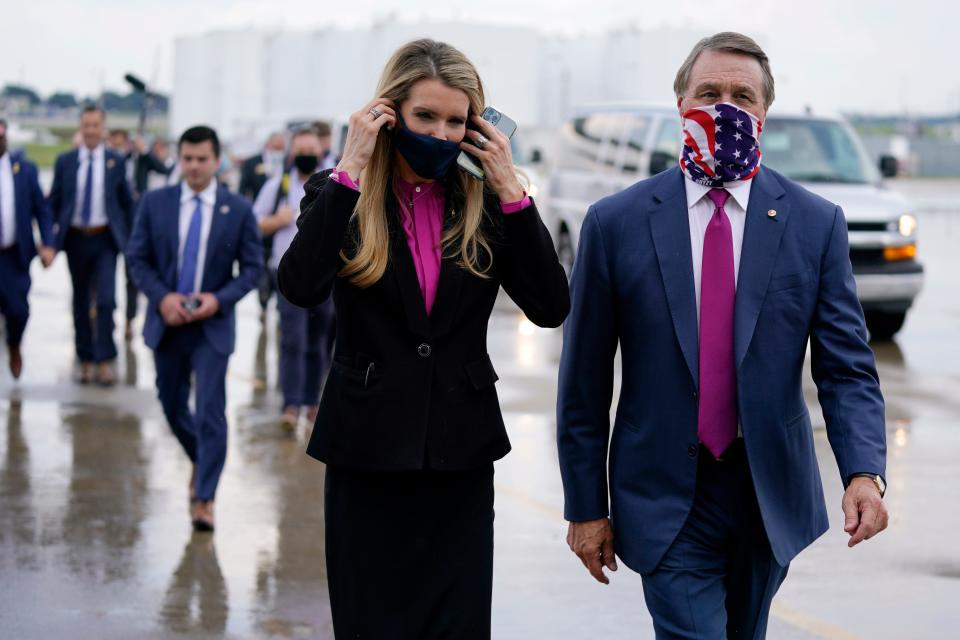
208,196
85,152
427,190
740,192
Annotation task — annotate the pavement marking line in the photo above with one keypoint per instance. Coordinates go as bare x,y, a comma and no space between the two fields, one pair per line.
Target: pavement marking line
811,625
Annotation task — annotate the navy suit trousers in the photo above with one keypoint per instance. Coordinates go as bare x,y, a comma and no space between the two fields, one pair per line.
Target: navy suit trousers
185,353
93,270
306,345
718,578
13,294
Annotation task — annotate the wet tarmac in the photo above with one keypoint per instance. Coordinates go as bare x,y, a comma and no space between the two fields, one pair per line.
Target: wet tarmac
95,539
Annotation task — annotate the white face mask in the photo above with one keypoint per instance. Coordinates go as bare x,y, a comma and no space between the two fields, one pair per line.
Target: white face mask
274,161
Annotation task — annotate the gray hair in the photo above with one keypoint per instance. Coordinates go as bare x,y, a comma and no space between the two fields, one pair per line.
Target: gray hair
731,42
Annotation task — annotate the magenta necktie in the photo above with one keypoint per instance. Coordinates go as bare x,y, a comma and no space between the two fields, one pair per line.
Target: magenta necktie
717,413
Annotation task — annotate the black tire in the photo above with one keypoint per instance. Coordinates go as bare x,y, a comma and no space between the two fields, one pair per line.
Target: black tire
883,325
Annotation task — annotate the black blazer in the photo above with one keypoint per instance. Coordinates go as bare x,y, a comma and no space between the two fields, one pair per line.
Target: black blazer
407,390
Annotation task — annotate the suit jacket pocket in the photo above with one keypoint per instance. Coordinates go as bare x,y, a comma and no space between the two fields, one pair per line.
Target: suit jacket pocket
360,370
789,281
481,373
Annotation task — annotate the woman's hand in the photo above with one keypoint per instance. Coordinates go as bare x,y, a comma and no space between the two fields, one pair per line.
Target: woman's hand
497,160
362,134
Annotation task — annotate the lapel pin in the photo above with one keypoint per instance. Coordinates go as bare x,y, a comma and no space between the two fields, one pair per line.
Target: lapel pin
225,209
110,163
16,168
772,213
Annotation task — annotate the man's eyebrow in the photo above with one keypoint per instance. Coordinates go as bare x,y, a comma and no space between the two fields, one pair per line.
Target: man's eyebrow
706,85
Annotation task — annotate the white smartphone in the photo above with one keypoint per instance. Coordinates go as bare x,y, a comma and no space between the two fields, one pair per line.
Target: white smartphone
503,123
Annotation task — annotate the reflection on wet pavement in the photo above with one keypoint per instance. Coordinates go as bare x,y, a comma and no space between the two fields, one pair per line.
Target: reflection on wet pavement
196,599
95,539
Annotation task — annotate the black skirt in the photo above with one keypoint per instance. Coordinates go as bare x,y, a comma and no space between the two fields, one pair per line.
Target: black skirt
410,554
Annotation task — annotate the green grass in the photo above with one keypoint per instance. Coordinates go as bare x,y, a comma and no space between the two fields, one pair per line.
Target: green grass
44,155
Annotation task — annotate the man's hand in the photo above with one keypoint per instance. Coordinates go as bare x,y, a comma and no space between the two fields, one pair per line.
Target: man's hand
283,216
865,513
592,541
47,254
209,305
172,311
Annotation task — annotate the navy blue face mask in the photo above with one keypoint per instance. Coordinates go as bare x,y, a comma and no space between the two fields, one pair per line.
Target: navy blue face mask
429,157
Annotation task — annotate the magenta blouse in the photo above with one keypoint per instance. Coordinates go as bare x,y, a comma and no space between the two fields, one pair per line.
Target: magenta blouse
423,225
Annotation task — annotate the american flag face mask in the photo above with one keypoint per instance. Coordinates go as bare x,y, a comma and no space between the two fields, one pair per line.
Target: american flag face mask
720,145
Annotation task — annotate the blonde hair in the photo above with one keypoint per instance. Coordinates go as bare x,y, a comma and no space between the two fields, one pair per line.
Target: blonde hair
418,60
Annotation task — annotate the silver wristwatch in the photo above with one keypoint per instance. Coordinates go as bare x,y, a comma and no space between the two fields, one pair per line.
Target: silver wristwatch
877,481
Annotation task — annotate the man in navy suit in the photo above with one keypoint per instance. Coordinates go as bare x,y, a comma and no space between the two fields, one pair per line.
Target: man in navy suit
711,278
21,202
91,205
186,239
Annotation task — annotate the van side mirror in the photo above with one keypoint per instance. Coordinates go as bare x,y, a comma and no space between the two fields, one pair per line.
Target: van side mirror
889,166
660,161
536,157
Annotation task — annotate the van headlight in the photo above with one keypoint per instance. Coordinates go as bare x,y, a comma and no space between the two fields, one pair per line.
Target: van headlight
907,225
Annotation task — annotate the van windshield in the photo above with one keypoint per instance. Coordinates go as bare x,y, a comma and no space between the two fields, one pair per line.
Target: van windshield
809,150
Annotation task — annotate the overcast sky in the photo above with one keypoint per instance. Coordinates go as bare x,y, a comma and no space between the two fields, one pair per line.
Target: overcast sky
880,56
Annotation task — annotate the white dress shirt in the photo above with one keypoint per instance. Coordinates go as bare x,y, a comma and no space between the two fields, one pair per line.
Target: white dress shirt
8,204
263,208
700,209
98,208
208,198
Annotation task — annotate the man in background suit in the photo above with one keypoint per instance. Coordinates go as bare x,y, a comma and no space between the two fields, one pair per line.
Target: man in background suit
712,277
256,170
254,173
21,202
91,205
185,242
306,335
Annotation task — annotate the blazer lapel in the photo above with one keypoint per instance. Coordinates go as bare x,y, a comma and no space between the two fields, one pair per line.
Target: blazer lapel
170,221
761,242
670,229
221,215
70,184
405,275
22,209
448,288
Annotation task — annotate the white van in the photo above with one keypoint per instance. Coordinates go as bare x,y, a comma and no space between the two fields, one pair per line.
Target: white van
604,150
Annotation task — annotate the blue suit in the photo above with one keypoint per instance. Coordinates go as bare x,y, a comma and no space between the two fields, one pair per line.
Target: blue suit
15,262
92,258
118,200
633,287
201,347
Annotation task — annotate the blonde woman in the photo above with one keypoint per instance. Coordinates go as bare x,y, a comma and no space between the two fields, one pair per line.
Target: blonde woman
415,251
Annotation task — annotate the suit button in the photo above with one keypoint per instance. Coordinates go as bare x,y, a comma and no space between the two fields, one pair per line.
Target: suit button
692,451
424,350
